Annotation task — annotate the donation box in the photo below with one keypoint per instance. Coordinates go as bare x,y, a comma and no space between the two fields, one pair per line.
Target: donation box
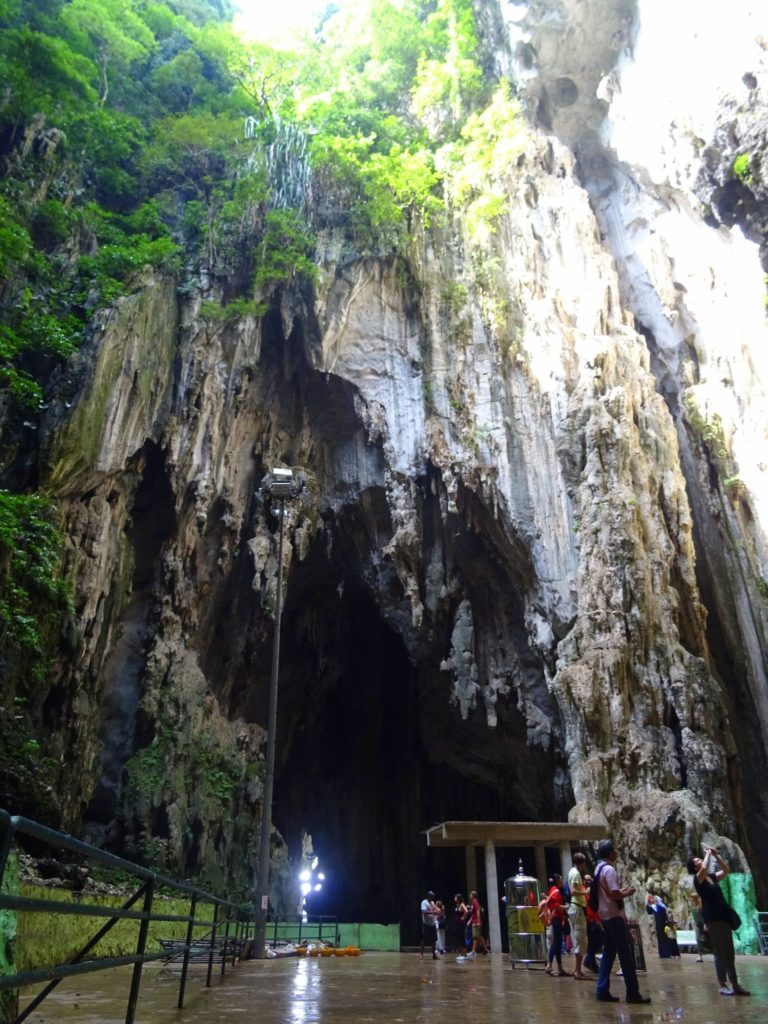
525,932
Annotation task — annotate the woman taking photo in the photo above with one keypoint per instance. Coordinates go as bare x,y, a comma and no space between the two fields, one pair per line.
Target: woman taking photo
719,917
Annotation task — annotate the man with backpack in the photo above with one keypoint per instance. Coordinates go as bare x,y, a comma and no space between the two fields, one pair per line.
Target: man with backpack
607,897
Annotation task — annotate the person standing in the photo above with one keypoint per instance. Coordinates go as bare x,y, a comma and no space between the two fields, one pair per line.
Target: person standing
460,918
440,926
707,875
428,928
476,921
698,926
658,909
611,895
556,907
577,912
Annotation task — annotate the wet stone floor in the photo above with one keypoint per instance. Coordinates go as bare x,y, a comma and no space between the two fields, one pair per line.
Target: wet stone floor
399,987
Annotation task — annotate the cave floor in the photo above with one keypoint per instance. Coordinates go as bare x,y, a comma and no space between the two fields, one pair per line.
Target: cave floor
396,987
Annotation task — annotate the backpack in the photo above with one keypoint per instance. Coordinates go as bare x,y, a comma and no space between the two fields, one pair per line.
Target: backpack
594,893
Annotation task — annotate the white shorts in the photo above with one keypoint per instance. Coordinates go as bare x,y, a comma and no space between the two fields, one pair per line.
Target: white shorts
577,919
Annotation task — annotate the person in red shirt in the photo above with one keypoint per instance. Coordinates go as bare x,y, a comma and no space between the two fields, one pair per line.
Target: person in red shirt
557,909
476,920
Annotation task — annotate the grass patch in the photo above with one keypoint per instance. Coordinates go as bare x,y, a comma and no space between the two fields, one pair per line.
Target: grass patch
43,941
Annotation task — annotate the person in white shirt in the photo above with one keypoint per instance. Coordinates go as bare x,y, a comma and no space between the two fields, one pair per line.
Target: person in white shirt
577,912
428,919
615,934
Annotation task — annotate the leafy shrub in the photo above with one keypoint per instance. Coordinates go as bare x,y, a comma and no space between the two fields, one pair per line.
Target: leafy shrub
15,243
285,250
30,582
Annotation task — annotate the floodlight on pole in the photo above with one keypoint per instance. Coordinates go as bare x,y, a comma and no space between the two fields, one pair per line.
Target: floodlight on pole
280,484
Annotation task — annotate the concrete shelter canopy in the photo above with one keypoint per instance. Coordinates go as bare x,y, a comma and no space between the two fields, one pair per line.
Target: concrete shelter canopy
490,834
512,833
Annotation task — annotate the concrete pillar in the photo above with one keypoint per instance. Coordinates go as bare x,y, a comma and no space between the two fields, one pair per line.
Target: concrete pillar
541,868
565,858
471,865
492,897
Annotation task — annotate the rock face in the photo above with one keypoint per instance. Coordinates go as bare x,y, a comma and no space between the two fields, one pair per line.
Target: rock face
527,577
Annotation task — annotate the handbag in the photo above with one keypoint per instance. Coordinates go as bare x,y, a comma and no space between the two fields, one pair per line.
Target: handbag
733,919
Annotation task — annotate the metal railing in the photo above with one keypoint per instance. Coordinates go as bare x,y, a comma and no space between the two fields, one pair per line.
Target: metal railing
762,931
235,921
296,930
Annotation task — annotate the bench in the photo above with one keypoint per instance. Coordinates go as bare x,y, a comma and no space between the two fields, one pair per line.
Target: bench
686,937
200,951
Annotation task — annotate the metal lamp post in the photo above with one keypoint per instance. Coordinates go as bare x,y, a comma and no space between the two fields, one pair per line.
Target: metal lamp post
280,485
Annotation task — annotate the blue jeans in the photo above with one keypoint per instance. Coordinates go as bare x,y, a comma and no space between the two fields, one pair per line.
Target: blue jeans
616,941
556,949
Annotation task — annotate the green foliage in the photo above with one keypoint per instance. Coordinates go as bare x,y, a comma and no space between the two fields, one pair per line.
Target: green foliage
34,603
127,245
51,224
144,773
62,78
448,82
110,33
491,142
284,251
741,168
193,151
15,243
399,80
232,311
31,588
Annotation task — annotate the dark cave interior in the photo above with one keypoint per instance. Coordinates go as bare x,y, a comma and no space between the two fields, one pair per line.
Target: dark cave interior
372,751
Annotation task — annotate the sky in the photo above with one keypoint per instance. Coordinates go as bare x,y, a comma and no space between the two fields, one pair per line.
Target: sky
272,19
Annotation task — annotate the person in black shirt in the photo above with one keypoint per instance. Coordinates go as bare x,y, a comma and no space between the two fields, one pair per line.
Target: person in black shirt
707,873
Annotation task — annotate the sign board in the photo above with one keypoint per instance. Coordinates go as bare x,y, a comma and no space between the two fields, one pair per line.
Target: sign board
636,943
265,903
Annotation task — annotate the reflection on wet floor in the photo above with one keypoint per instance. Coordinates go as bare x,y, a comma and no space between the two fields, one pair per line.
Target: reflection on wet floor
393,988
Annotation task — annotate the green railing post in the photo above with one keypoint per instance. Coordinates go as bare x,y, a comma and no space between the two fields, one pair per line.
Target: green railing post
9,999
213,944
141,948
225,946
187,943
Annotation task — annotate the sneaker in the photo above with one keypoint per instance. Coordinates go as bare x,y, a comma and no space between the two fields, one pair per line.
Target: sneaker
461,957
725,991
607,998
472,955
638,999
739,991
699,959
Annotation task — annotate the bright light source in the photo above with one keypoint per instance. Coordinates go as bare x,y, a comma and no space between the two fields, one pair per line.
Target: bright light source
278,23
304,876
321,876
305,888
314,863
318,887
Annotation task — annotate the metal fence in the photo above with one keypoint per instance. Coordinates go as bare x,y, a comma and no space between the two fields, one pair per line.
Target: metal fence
297,930
229,932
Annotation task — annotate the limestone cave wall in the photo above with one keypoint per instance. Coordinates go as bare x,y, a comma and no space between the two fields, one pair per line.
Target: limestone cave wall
518,584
